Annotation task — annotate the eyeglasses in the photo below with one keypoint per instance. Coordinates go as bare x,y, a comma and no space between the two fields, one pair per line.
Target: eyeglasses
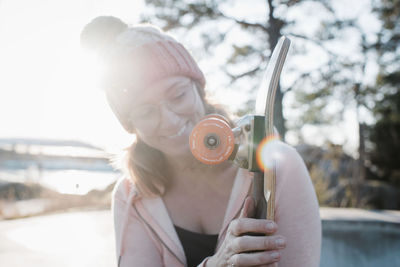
181,100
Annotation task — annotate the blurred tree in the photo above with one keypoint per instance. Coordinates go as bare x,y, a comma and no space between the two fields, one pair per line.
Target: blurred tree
348,81
344,47
385,138
384,135
323,92
249,38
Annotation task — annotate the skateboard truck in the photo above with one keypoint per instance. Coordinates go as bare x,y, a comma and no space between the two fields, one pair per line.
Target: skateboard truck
213,141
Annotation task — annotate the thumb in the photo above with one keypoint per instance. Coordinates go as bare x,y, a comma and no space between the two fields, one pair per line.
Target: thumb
248,208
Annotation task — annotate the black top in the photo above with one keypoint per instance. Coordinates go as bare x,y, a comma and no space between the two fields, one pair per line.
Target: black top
196,246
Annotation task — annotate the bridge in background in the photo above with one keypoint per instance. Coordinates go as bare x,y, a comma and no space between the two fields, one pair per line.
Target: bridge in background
44,154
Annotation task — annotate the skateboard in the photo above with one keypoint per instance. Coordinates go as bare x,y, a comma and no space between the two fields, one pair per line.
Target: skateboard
213,141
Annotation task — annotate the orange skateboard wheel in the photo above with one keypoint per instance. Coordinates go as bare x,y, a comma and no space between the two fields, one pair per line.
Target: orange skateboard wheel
212,140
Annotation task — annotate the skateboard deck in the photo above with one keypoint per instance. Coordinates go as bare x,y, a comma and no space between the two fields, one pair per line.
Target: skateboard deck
212,141
265,107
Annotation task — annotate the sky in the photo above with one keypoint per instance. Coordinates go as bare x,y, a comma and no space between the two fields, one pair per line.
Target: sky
48,87
48,84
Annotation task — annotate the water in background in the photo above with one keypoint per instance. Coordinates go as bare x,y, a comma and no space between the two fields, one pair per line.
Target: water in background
63,181
68,167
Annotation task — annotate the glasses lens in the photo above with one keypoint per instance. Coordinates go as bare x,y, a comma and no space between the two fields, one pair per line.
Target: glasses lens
183,99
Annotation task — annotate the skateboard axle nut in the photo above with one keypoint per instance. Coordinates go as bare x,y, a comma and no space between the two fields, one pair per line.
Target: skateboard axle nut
211,141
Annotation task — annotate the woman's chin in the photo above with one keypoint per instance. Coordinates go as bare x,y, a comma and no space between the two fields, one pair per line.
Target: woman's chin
178,149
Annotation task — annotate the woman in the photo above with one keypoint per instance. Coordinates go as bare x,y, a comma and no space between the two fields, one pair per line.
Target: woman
169,209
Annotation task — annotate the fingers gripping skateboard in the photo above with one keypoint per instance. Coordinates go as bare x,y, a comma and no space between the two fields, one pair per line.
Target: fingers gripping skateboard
212,140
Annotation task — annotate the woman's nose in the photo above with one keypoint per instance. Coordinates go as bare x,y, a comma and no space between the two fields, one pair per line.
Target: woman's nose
168,118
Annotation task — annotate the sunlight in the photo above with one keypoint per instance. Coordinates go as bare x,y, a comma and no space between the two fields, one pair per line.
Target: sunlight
49,87
269,152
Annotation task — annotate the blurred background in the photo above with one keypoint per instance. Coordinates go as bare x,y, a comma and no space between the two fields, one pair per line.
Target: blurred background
338,103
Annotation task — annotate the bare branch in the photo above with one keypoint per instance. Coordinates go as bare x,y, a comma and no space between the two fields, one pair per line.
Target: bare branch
298,80
317,42
247,73
244,23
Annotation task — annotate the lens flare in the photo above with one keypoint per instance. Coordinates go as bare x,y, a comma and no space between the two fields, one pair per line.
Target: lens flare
269,152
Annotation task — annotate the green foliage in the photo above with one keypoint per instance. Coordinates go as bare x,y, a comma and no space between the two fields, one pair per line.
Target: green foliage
389,13
320,185
240,52
389,79
385,135
340,79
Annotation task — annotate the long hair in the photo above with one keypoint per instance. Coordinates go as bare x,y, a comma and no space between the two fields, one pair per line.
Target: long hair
147,167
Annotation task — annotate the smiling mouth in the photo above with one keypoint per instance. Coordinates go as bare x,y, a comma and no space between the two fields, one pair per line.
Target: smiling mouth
179,133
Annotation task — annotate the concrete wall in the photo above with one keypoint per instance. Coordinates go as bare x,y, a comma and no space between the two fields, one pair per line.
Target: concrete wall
353,237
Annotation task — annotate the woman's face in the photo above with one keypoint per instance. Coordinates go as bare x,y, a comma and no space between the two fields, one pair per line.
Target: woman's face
165,114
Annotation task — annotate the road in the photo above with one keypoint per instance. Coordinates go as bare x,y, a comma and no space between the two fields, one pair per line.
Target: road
74,239
85,239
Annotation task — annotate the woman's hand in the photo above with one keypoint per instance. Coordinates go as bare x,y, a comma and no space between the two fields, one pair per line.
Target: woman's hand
239,249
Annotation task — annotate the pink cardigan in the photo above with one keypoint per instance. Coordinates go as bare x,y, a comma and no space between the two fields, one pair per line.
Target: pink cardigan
145,235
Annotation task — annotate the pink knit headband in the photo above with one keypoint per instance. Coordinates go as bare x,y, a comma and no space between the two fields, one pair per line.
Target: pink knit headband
145,65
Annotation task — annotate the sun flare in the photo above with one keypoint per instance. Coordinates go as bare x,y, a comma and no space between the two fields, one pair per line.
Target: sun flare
268,152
